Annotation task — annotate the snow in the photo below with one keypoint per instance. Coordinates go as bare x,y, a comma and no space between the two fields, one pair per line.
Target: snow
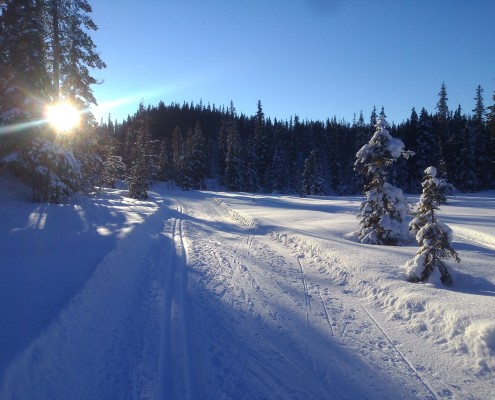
236,296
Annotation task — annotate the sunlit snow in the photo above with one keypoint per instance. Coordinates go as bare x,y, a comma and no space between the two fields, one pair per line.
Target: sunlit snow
216,295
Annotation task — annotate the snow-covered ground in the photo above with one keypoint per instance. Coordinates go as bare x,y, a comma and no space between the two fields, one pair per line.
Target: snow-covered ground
215,295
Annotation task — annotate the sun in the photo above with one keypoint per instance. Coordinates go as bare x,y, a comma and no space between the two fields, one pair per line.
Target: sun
63,117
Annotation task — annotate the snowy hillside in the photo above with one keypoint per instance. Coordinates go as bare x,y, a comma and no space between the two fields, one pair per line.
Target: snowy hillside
215,295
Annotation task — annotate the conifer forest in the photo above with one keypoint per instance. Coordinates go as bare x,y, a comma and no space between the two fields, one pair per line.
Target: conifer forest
191,143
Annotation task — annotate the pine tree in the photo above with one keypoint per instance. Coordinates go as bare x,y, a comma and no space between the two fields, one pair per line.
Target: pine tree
385,207
442,108
373,117
55,173
195,170
479,109
233,177
263,150
24,80
433,237
141,159
138,177
113,166
72,53
313,180
165,165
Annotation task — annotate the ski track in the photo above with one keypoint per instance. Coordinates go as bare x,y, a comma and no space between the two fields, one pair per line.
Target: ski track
322,318
212,306
346,318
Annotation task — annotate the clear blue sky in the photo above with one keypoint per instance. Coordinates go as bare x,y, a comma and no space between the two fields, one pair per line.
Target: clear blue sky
313,58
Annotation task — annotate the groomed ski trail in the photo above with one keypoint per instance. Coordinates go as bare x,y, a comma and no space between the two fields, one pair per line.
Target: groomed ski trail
262,312
177,353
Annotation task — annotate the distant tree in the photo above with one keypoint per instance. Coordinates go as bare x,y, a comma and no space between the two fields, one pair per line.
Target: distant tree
433,237
196,159
479,110
383,211
138,177
442,108
233,177
165,164
461,154
382,113
279,173
427,148
113,166
263,149
313,180
178,152
141,161
373,117
251,177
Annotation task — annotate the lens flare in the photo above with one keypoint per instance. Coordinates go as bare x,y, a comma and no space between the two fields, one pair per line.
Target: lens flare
63,117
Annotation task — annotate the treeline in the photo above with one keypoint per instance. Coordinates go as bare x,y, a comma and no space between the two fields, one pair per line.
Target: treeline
190,143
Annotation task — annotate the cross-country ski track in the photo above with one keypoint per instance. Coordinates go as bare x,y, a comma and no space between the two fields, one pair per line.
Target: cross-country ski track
205,299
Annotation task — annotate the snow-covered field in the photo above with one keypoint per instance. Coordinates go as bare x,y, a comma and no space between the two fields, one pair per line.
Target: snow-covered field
215,295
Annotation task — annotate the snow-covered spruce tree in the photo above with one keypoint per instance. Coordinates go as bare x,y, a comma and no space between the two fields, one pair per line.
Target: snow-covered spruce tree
55,173
138,177
383,211
433,237
196,159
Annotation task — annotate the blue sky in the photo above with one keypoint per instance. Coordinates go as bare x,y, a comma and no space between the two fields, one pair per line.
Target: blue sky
313,58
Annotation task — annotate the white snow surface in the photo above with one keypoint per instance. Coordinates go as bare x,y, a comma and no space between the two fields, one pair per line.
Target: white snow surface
215,295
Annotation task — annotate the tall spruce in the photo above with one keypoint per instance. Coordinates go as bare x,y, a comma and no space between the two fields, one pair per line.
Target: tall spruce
263,149
442,107
233,176
72,52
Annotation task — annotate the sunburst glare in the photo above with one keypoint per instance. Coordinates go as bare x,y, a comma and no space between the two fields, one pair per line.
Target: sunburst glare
63,117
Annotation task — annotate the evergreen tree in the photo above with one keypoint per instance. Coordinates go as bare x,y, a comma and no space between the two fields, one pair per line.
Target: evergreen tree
313,180
24,80
433,237
279,173
55,173
138,177
385,207
165,164
196,160
263,150
141,161
461,154
427,148
72,53
113,166
233,177
373,117
479,109
442,108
